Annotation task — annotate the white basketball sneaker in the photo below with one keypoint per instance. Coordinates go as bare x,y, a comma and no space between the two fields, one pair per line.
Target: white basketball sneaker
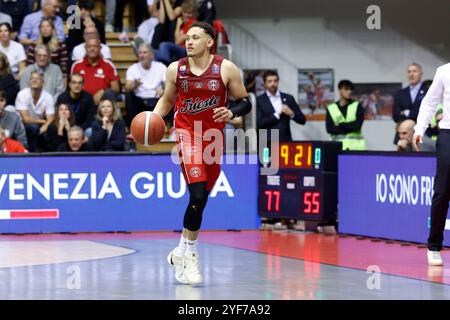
176,262
434,258
192,274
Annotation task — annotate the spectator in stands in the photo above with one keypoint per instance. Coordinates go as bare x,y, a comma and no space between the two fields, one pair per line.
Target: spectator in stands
146,29
57,130
29,32
79,52
80,102
206,11
37,108
345,118
11,123
276,109
17,10
169,52
8,83
168,13
55,83
405,132
8,145
140,13
109,15
144,83
57,49
100,75
407,100
76,141
13,50
108,130
75,36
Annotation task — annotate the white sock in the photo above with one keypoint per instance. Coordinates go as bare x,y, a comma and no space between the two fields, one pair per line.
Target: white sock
181,249
191,246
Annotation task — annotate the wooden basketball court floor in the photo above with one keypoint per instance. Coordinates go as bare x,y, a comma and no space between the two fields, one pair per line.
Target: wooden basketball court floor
266,265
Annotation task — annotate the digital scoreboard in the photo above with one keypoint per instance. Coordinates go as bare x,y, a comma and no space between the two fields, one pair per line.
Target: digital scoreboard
305,186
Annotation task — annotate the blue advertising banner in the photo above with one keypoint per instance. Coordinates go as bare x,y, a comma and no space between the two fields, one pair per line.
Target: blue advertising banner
116,193
386,196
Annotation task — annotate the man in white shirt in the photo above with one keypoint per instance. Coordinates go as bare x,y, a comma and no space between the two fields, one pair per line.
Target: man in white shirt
144,83
37,109
79,52
437,93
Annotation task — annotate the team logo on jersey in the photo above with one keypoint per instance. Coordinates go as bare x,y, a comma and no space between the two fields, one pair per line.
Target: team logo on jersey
213,85
195,172
215,69
182,69
99,73
184,85
198,85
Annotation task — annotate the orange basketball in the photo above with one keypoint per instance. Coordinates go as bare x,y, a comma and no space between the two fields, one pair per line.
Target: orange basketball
148,128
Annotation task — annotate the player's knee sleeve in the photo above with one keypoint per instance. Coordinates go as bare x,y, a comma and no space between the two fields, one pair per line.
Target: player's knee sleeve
197,202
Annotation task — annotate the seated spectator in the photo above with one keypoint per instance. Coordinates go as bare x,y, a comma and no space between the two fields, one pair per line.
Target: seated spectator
80,102
17,10
8,145
29,32
13,50
144,83
53,77
146,29
75,36
8,83
76,141
405,132
37,109
108,130
100,76
79,52
169,52
168,13
57,49
11,122
57,130
140,13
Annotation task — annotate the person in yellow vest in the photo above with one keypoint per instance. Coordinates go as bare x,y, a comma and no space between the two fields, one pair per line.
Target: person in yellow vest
345,118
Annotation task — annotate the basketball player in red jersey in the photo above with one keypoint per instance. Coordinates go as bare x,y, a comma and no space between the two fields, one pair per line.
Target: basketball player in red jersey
198,86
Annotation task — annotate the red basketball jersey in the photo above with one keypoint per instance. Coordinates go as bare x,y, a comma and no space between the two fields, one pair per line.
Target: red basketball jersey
199,95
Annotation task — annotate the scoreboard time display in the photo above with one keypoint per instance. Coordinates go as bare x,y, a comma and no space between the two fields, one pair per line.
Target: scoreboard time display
305,186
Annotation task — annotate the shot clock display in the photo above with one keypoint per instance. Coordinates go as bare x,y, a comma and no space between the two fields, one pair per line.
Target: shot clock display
305,187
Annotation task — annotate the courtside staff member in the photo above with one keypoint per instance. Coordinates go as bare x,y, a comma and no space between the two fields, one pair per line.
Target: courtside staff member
438,92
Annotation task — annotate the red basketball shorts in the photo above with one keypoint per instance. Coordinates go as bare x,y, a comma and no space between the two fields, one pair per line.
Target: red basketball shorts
199,160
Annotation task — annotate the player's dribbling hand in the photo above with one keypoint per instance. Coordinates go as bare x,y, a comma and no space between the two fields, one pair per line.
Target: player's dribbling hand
222,114
416,140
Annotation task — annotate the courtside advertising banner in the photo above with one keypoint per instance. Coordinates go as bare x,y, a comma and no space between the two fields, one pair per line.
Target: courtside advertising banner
386,196
117,193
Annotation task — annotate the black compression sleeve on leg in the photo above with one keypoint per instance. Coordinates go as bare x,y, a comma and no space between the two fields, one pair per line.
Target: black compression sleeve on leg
198,196
241,107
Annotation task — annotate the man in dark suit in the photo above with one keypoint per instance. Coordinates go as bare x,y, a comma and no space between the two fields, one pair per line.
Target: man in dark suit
276,109
407,100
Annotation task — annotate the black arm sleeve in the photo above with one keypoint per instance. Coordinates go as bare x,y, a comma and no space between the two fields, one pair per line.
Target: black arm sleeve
241,107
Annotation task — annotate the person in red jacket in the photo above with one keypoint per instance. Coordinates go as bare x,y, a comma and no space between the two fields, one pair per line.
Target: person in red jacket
8,145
